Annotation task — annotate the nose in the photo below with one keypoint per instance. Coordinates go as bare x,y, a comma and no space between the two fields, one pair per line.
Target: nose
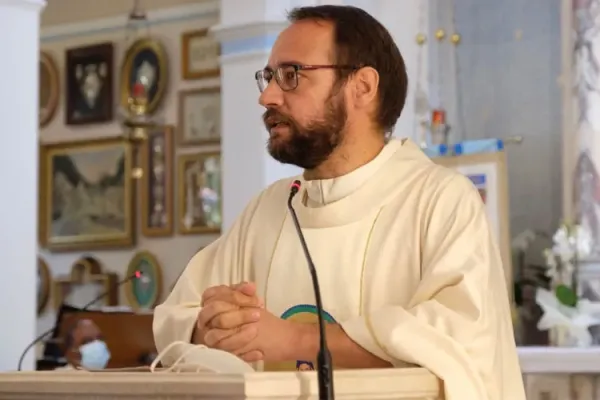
272,96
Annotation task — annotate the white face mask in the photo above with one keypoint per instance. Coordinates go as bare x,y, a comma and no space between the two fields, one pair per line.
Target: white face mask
94,355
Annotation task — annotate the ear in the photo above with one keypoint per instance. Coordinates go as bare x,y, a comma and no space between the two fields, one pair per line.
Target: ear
366,82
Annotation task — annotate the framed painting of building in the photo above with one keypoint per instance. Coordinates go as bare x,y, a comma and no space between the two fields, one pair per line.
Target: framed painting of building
86,195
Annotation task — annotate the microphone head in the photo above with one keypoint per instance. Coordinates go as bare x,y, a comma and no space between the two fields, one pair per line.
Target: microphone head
295,187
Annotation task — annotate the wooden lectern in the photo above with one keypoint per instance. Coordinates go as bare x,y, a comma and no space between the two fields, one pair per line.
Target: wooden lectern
404,383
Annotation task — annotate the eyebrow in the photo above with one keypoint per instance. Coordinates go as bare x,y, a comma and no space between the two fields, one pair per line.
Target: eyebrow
284,64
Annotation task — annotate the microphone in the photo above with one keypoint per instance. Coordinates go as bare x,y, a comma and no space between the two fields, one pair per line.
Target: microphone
324,364
135,275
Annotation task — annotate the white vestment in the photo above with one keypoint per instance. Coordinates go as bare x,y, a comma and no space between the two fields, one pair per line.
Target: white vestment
406,261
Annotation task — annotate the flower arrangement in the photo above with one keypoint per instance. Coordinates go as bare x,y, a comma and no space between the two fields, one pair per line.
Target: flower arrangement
566,316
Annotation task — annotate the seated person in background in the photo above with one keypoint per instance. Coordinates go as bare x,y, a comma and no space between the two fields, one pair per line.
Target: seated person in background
84,346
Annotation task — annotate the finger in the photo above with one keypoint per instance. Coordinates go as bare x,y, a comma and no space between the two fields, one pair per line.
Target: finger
232,319
239,342
212,337
244,300
212,309
252,356
215,291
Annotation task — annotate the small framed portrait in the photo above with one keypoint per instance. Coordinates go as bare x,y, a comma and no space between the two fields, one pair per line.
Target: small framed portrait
199,117
157,182
200,54
145,66
86,195
199,193
144,292
49,91
43,285
89,84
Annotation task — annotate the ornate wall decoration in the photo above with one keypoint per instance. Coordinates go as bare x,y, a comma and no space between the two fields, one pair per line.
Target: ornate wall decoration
85,282
49,92
44,280
145,66
90,84
144,293
199,193
157,182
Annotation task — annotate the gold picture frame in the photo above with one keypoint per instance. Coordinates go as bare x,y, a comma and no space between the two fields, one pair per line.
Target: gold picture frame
149,54
156,191
199,193
44,285
87,270
489,174
86,193
199,117
49,89
144,292
196,46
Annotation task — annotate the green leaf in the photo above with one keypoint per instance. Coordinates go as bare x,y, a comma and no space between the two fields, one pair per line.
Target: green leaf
566,296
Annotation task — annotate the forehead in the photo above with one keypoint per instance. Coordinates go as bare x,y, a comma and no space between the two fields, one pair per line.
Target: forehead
305,42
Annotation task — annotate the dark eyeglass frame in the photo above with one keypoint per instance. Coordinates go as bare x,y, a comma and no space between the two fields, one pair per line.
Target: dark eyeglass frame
276,73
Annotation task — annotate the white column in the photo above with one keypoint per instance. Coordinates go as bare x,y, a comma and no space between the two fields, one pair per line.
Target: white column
19,69
246,33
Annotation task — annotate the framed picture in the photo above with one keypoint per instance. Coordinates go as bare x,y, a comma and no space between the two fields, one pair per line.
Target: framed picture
488,173
157,182
43,285
199,117
86,195
145,63
49,91
89,84
200,54
144,292
199,193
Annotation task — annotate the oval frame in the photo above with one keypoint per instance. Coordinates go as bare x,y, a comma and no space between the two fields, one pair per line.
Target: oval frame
133,50
47,62
43,296
158,282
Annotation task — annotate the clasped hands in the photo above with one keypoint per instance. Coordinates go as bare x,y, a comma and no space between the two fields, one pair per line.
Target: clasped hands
234,319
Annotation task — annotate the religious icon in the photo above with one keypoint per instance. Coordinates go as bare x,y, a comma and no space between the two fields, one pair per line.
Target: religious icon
89,84
144,67
199,177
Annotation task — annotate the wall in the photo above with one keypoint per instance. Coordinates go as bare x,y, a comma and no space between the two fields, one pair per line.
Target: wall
501,81
173,252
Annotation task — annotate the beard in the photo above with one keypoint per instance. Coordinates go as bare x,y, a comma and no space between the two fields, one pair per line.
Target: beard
307,146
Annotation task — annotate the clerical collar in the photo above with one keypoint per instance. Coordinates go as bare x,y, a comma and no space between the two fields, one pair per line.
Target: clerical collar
326,191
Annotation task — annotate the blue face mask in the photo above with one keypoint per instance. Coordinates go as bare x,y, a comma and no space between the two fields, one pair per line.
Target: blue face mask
94,355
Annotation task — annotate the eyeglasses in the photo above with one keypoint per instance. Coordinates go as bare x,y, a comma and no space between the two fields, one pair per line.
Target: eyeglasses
286,76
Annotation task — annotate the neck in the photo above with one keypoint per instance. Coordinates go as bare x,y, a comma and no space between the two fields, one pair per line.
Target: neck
350,155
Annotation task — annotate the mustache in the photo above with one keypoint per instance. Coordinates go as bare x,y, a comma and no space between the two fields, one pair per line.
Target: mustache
272,117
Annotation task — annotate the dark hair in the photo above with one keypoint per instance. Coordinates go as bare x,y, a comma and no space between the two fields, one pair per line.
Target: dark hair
361,40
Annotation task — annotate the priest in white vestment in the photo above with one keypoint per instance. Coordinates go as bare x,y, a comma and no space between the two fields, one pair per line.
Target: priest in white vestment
410,272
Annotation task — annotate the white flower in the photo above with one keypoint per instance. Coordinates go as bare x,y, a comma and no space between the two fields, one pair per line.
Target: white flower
552,270
583,241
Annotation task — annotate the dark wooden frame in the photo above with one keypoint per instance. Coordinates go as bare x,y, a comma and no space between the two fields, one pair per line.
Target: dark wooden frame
106,51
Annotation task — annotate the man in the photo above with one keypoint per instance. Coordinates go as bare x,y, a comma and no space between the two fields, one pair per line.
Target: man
409,271
84,347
